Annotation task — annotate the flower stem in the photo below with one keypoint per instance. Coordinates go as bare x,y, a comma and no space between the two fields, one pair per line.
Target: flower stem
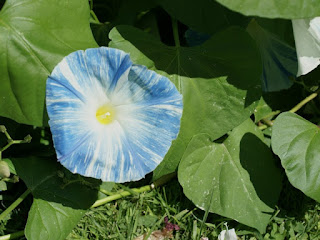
11,142
3,129
12,236
14,204
122,194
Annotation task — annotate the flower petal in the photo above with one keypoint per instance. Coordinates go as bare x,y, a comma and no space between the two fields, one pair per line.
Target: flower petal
307,39
147,106
228,235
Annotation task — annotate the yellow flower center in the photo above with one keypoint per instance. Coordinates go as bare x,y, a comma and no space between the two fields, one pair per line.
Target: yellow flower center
105,114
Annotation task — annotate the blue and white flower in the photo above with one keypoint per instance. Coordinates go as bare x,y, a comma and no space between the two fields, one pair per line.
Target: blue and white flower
307,40
111,119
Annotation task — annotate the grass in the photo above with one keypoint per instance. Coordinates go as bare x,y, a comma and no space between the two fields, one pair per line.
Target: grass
297,217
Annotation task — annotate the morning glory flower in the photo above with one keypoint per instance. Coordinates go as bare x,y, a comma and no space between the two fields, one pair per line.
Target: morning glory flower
111,119
229,234
307,40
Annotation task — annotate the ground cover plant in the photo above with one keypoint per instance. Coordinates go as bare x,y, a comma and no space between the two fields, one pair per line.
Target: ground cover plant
126,119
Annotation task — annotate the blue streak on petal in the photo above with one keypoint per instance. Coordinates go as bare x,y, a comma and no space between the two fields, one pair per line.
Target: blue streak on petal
148,108
107,65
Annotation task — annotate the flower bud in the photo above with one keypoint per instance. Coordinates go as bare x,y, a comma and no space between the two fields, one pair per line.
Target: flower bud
4,169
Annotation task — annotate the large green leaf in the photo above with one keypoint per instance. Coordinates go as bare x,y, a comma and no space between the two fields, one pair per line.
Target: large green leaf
237,179
279,60
275,8
297,142
35,35
202,15
219,81
59,203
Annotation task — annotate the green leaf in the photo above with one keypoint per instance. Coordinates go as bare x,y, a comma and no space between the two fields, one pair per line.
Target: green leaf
275,8
203,15
263,110
35,36
296,141
58,203
279,60
100,32
219,81
237,179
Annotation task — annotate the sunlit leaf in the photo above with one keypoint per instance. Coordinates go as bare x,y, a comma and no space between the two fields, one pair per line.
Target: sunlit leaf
237,178
296,141
35,36
275,8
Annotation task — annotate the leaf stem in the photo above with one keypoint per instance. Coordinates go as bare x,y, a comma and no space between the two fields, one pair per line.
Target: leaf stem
14,204
12,236
303,102
122,194
175,32
94,16
177,44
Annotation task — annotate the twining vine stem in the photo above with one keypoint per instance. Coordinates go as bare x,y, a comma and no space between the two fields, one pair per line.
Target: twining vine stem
122,194
12,236
303,102
269,123
14,205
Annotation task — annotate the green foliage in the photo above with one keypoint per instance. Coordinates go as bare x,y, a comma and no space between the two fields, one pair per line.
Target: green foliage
133,216
203,15
275,8
35,36
237,178
278,58
59,203
296,141
216,58
219,80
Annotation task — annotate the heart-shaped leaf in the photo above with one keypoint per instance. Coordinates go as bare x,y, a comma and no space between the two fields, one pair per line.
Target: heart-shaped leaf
206,16
35,36
278,58
237,178
297,142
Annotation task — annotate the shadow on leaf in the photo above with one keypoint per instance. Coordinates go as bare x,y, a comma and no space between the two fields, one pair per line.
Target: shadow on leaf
47,181
264,174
